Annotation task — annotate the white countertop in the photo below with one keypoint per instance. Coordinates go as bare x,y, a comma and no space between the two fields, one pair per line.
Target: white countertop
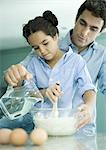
65,143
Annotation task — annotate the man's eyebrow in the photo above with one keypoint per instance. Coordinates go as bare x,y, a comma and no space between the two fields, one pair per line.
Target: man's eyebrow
94,27
83,21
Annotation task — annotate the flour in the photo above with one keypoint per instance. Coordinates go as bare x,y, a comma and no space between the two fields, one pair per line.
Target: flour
56,126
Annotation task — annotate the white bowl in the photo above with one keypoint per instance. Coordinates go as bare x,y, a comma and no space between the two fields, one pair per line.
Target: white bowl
55,125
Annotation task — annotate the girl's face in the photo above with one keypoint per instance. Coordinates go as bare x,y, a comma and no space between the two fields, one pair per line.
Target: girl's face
44,45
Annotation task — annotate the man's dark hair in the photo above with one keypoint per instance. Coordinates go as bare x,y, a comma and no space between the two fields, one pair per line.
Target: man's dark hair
97,7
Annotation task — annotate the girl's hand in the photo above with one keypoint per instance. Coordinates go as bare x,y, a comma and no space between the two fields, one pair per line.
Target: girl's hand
53,92
16,73
84,116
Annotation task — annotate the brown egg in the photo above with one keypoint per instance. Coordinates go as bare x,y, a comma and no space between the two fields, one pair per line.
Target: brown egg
5,136
18,137
38,136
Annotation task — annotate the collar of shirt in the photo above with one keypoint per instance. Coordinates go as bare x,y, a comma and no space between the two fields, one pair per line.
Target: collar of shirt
63,59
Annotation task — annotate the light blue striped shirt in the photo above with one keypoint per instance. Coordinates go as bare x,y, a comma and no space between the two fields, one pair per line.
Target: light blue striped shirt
94,55
70,71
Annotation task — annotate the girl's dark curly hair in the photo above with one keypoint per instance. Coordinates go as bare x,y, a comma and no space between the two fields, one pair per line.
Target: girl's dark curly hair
46,23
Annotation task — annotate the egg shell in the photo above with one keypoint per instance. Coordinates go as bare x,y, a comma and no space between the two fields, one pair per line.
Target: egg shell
18,137
5,136
38,136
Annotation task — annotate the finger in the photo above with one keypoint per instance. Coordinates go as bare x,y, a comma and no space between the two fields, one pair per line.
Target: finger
58,88
61,93
28,76
9,81
82,113
50,95
82,107
83,121
82,124
24,73
55,92
18,72
12,76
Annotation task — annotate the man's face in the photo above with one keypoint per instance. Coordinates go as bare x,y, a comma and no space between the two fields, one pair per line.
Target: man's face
87,28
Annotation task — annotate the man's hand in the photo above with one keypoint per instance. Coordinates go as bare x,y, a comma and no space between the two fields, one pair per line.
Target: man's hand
16,73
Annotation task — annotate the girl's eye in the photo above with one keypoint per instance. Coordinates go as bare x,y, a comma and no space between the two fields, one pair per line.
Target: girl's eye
35,48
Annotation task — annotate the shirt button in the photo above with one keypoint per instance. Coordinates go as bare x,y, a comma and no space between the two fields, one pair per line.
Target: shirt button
51,79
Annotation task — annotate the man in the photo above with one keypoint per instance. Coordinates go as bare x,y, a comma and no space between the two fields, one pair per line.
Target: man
89,23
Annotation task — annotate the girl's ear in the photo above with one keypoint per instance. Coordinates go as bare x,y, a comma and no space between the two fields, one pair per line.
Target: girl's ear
56,37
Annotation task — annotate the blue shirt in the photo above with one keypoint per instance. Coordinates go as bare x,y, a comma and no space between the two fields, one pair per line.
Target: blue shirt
95,57
70,71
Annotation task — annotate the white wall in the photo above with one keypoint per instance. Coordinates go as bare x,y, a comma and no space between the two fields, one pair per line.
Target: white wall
15,13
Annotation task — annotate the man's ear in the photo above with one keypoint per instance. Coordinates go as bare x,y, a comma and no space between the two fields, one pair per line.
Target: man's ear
56,37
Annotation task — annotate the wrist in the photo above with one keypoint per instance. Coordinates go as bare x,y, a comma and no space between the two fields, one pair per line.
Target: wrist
43,92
